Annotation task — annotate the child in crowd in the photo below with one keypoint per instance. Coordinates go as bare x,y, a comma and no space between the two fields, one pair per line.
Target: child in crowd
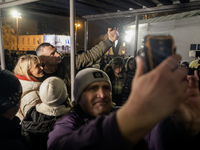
40,119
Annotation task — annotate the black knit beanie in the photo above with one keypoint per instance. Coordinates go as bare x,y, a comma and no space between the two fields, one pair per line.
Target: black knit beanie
10,90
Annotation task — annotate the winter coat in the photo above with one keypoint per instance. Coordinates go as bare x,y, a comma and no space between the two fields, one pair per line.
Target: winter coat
78,130
30,95
127,85
10,137
36,127
117,86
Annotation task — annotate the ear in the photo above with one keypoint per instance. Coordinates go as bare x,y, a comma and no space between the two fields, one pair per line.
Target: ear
42,60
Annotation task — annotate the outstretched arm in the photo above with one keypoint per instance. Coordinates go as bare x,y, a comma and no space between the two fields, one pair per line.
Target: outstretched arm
154,96
88,57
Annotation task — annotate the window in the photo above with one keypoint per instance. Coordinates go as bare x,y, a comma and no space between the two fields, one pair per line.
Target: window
33,41
28,41
39,40
22,40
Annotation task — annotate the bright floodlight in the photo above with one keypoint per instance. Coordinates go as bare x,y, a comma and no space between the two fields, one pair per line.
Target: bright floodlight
129,35
16,14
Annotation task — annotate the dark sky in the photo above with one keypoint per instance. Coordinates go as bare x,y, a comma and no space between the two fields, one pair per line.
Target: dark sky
48,24
96,28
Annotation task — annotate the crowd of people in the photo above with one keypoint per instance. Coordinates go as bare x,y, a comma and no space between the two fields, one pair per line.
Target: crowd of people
117,106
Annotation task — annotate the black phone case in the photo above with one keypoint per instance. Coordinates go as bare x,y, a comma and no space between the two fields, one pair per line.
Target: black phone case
156,49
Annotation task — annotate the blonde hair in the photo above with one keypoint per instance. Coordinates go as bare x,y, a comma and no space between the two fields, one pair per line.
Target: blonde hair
24,64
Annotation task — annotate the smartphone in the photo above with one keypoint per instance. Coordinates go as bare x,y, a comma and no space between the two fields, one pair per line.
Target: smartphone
156,49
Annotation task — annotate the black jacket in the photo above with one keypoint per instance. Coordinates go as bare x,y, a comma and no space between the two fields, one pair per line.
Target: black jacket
36,127
11,134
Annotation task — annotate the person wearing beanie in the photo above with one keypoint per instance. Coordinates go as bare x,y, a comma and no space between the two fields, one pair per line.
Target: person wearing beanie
156,116
86,77
40,119
92,93
10,95
117,77
29,72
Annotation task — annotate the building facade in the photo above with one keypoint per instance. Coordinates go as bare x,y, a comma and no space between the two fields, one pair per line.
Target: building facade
31,42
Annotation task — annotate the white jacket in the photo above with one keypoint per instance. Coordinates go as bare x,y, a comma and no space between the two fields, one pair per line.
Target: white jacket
30,96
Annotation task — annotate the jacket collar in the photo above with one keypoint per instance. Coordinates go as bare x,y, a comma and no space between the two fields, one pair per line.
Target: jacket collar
23,77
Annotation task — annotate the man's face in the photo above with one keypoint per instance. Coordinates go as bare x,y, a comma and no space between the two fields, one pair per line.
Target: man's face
117,67
96,99
50,56
131,65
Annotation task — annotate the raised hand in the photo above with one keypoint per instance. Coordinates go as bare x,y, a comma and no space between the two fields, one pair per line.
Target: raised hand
113,34
154,96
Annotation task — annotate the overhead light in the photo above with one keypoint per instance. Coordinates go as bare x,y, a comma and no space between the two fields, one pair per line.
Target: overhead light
77,24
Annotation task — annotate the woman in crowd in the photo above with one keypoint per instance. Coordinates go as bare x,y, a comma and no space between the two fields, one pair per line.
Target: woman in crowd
29,71
130,68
